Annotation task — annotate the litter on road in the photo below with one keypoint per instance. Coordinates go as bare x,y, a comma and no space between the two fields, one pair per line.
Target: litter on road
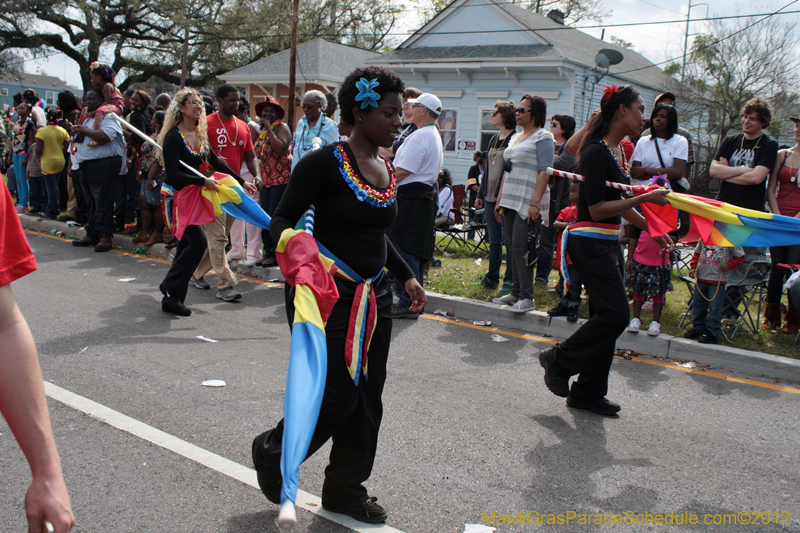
202,338
83,350
126,280
478,528
213,383
483,322
499,338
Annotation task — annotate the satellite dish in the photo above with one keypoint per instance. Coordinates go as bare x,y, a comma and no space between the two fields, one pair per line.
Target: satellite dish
614,57
601,60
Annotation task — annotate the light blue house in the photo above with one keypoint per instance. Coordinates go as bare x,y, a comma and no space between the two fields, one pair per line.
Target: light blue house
48,88
475,52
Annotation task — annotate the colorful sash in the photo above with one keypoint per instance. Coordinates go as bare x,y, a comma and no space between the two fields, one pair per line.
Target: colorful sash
593,230
363,316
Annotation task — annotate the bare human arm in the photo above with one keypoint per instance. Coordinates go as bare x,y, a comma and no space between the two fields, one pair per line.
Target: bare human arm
534,211
252,165
772,184
675,172
752,176
722,171
23,404
39,149
400,174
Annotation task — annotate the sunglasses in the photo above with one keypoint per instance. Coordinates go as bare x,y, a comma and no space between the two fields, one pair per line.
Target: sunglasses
308,106
522,110
495,112
193,102
553,125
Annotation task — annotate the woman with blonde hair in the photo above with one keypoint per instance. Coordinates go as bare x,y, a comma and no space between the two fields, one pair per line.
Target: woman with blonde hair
184,138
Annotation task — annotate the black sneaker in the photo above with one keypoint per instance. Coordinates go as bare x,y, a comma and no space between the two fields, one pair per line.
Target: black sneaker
707,338
200,283
85,242
555,383
367,511
270,484
171,304
559,310
65,218
601,406
572,314
693,334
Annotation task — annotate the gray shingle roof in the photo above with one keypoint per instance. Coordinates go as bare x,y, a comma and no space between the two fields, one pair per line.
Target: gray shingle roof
315,59
580,47
565,42
36,80
423,53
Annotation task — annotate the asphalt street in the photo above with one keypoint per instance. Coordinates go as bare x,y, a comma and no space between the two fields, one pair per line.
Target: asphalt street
469,428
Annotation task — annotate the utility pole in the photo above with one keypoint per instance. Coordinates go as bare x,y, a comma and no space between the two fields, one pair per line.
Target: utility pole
184,57
686,37
293,64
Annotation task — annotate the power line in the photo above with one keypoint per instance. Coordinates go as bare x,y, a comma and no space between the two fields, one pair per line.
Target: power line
717,41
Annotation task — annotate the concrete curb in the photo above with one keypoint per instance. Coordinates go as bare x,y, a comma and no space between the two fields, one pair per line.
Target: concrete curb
534,322
539,323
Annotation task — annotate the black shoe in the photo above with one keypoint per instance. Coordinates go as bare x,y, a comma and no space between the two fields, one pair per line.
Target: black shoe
65,218
366,511
402,312
559,310
45,217
556,384
707,338
693,334
270,485
84,243
486,284
601,406
171,304
572,314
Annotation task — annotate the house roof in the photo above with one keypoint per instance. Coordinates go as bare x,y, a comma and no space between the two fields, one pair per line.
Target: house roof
316,59
40,81
560,42
581,47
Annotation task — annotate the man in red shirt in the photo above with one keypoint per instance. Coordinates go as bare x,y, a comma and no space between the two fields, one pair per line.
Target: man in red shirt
22,399
231,140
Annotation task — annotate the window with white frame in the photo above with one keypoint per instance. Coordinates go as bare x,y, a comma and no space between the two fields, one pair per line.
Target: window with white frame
487,131
51,98
4,92
448,128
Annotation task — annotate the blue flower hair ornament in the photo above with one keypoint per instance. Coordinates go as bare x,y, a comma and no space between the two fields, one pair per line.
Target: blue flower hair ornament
366,95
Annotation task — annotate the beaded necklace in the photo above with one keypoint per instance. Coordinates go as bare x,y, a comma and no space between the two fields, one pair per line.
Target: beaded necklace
623,168
721,273
363,191
188,146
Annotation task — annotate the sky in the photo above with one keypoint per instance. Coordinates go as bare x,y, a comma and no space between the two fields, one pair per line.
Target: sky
656,42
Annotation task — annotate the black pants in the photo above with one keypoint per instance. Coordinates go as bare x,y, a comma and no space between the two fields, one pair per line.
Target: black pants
350,415
788,255
590,350
573,296
97,180
126,198
82,208
188,254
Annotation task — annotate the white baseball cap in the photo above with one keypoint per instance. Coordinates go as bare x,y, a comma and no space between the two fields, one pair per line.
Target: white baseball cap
428,100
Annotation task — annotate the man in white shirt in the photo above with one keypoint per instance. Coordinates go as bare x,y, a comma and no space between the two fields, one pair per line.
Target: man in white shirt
417,165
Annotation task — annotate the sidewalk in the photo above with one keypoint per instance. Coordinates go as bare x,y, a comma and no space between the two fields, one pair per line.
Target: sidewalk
534,323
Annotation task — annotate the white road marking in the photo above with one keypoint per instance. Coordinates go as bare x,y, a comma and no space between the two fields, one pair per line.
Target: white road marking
309,502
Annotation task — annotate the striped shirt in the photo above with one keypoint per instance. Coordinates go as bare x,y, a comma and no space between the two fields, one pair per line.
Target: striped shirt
528,158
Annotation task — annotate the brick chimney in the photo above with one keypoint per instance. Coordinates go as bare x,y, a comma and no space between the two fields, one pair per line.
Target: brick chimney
556,15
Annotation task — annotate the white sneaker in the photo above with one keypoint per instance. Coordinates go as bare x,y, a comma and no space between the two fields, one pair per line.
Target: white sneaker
655,329
523,306
231,259
633,327
507,300
250,263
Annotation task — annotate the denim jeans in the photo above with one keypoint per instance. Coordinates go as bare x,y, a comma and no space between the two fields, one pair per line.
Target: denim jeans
98,179
11,174
707,315
50,208
23,198
270,198
547,248
416,265
497,238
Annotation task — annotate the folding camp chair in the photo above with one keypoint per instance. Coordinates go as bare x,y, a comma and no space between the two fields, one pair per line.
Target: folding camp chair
457,232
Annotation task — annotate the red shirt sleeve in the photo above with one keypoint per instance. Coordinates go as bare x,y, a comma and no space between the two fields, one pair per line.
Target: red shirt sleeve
736,261
17,256
694,260
627,147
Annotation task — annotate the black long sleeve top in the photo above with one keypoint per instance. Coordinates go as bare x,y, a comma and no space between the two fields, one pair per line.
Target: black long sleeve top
354,231
177,176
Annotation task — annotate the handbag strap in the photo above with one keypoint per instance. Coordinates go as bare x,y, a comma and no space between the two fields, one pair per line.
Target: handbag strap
658,153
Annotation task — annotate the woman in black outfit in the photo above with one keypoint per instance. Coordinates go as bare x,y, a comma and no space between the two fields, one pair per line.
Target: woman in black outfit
594,250
184,137
353,210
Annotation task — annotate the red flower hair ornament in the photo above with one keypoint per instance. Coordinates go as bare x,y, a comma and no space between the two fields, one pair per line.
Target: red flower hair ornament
610,91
